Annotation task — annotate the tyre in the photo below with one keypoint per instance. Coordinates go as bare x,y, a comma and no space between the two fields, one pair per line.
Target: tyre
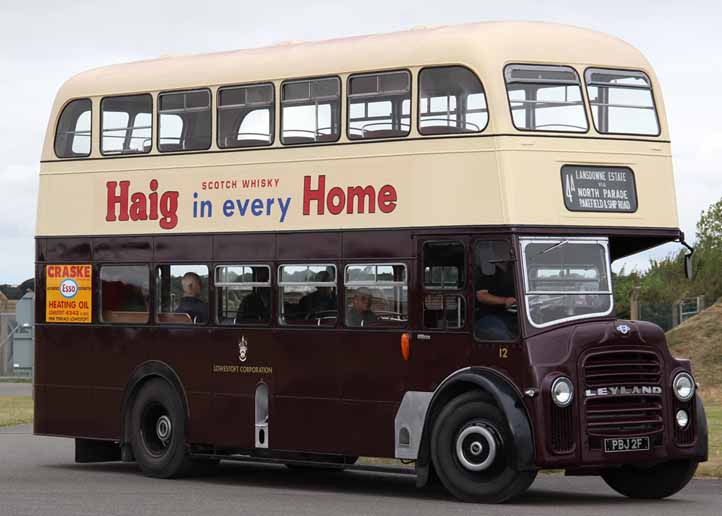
158,434
658,481
473,452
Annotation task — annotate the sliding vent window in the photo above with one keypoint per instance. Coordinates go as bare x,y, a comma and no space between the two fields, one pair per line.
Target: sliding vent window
244,294
127,124
545,98
184,121
245,116
72,136
621,102
311,111
379,105
308,295
377,295
451,101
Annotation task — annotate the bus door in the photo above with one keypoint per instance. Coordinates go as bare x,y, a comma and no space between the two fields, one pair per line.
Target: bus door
375,303
440,345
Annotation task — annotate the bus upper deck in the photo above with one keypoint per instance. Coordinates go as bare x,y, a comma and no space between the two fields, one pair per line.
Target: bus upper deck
479,118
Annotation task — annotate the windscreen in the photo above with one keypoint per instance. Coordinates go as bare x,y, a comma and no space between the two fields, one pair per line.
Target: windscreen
566,279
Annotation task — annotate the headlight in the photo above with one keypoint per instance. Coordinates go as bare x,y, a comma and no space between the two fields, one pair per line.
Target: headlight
683,387
562,391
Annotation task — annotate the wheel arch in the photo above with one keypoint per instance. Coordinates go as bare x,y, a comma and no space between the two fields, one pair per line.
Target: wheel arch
142,374
502,392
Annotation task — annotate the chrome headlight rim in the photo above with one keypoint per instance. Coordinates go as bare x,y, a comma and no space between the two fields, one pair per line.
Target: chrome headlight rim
675,389
555,383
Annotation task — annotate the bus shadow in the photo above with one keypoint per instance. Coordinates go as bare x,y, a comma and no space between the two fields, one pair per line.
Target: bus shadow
545,492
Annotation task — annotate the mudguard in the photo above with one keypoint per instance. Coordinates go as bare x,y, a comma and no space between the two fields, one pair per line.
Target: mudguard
504,394
702,448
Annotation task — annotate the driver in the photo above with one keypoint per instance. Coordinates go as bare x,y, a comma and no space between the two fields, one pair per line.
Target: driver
495,295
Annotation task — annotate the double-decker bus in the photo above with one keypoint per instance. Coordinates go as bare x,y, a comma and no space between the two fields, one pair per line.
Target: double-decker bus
390,246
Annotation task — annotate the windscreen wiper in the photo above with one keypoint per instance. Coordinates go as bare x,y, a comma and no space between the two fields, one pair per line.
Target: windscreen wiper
555,246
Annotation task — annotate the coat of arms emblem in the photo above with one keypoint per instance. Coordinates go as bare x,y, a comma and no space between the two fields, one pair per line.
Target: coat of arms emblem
243,349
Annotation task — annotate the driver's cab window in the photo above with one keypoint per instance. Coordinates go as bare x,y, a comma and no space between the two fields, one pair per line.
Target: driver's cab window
181,294
308,294
495,298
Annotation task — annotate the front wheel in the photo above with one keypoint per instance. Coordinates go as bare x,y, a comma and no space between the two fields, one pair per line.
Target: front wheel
658,481
472,452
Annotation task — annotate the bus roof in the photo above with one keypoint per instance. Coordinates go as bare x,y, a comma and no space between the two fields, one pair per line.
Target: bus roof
486,47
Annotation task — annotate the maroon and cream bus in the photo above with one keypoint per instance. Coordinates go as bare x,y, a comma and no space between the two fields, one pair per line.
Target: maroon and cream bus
392,246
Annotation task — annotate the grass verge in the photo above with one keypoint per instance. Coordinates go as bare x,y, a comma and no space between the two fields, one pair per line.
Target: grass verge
15,380
713,407
15,411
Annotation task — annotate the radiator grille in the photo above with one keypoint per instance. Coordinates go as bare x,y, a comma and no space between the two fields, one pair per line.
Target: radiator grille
623,415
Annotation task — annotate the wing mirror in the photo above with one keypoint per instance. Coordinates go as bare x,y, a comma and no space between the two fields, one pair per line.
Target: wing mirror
688,269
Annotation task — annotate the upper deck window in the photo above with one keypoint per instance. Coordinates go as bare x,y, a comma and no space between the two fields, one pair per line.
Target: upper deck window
184,121
545,98
245,116
126,124
451,100
621,102
379,105
311,111
72,136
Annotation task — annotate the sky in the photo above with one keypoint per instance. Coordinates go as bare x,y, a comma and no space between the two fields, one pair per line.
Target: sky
43,43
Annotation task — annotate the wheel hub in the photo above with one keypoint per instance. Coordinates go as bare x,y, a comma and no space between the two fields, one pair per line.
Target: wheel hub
163,428
476,448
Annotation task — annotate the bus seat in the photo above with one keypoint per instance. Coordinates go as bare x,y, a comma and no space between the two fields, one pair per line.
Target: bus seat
174,318
118,316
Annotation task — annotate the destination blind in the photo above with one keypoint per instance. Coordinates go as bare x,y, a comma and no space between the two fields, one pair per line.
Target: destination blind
602,189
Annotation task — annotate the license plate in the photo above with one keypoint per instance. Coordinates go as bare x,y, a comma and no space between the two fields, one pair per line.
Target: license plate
626,444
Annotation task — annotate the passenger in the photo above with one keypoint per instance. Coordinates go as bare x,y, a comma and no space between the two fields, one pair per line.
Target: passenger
256,305
360,313
191,302
495,296
323,299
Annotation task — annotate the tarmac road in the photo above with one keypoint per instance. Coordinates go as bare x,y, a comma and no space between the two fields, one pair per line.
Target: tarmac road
16,389
38,477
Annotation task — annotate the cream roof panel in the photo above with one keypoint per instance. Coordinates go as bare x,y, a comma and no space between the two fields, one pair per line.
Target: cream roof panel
485,46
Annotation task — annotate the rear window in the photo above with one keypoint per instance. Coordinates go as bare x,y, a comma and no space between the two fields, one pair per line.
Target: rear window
72,136
621,102
545,98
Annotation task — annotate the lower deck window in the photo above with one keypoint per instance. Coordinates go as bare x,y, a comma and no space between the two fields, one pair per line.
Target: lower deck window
125,294
376,295
308,295
244,294
181,294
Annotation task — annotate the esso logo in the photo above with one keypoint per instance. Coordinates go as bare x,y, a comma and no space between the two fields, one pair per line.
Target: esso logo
68,288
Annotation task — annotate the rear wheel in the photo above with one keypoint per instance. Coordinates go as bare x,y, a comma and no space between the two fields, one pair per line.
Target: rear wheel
658,481
472,452
158,434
